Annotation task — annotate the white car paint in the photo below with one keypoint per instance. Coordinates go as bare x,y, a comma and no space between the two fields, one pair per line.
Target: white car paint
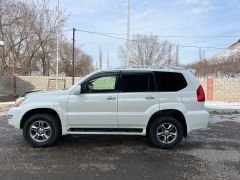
93,110
135,109
124,110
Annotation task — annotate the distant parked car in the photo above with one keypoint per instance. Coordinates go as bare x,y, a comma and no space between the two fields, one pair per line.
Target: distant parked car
163,103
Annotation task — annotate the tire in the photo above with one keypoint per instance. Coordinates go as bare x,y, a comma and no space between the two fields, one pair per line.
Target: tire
164,136
41,130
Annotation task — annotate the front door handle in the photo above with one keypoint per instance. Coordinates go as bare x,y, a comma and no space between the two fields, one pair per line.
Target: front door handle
149,97
111,98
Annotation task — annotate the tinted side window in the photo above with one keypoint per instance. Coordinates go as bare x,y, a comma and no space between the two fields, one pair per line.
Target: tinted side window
141,82
170,81
103,84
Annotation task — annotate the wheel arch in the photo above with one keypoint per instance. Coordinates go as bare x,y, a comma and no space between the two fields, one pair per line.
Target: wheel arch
31,112
170,113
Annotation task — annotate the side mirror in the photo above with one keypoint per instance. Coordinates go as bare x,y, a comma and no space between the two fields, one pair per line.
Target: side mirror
77,90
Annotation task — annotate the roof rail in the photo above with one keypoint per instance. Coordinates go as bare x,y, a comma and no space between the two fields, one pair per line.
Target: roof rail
152,67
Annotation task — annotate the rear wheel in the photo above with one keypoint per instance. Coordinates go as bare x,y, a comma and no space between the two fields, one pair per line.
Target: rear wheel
41,130
165,132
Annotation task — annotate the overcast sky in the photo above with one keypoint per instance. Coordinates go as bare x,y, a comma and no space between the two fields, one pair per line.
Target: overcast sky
159,17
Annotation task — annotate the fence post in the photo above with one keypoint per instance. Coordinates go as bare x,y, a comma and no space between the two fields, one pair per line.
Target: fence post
14,85
210,82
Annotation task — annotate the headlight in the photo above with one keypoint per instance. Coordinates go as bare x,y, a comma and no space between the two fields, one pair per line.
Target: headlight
19,101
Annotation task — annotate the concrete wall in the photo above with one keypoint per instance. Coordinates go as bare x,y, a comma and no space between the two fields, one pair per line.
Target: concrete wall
203,82
216,89
223,89
6,85
31,83
227,89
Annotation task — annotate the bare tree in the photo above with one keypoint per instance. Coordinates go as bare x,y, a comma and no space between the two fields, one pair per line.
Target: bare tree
46,31
13,30
226,64
148,50
229,67
84,65
29,33
83,62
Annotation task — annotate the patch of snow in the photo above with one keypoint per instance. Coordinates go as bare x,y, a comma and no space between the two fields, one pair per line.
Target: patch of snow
222,107
216,118
7,103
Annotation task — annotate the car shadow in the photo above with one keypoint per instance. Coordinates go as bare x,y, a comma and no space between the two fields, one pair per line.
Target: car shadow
100,140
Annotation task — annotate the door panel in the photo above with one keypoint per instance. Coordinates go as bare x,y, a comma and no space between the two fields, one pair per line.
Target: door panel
136,98
96,106
93,110
133,108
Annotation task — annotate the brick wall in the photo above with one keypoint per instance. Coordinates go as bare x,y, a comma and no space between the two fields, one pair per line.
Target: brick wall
216,89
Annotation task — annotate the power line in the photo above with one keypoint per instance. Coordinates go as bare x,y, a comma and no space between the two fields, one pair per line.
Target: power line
192,37
67,30
169,36
173,36
121,38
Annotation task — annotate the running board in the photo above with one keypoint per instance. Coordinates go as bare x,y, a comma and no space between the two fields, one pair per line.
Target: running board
105,130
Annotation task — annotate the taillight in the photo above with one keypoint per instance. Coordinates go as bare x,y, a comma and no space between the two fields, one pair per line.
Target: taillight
200,94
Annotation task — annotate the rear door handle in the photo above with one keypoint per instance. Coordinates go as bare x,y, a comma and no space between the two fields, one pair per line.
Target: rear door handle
111,98
149,97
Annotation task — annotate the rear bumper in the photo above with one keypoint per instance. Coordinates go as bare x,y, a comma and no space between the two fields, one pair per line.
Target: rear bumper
197,120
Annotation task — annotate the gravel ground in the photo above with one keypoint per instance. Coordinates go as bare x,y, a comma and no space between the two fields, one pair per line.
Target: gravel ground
213,153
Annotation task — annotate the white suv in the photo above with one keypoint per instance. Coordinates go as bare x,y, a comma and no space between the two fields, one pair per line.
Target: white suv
163,103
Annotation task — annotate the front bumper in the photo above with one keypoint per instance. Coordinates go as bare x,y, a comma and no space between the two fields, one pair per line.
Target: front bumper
14,116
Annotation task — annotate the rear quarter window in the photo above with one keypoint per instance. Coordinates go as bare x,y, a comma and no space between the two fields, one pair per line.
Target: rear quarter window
170,81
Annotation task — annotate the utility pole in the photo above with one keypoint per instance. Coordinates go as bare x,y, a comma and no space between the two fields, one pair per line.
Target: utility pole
100,57
108,60
170,55
3,55
96,65
73,56
177,55
57,44
201,54
128,32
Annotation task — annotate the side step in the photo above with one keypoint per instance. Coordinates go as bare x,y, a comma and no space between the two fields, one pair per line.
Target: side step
105,130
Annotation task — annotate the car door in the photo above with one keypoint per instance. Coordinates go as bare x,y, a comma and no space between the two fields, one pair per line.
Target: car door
96,106
137,98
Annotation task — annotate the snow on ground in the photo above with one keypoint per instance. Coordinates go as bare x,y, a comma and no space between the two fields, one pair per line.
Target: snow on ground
7,103
222,107
223,111
4,109
216,118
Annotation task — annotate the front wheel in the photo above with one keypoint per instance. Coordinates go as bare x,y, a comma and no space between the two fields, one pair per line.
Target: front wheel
165,132
41,130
